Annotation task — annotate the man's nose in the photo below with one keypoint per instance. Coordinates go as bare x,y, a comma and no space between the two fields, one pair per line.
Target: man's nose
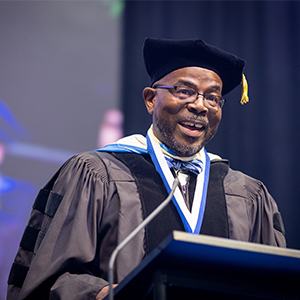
198,105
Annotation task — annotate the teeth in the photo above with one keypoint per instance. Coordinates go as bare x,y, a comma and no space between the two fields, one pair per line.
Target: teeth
192,124
198,126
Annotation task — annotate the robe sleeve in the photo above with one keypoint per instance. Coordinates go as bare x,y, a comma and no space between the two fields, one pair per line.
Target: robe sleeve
267,223
253,214
67,263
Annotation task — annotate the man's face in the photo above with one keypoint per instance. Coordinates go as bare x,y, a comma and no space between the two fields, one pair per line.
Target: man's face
184,127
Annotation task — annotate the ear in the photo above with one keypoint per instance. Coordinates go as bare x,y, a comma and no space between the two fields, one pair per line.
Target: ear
149,95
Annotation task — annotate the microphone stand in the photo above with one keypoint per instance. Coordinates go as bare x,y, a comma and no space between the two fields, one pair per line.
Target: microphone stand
133,234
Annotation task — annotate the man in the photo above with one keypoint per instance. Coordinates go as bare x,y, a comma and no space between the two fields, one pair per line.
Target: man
96,199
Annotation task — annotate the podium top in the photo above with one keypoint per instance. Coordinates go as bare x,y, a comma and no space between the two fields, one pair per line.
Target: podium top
200,254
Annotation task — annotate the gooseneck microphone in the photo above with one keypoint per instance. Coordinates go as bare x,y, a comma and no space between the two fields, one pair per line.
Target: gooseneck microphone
133,234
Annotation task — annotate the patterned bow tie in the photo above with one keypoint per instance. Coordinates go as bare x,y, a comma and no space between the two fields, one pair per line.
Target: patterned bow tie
195,166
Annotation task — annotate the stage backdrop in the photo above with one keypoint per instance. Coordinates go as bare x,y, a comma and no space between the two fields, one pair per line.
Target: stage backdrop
59,82
260,138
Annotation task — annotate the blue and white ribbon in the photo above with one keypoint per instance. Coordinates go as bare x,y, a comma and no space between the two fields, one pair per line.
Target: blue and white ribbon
192,220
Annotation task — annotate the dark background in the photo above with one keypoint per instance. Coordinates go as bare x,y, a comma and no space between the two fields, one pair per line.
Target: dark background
260,138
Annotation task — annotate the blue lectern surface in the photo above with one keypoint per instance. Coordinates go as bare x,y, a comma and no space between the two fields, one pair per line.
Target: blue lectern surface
217,265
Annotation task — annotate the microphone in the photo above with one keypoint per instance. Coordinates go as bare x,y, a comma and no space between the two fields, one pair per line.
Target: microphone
133,234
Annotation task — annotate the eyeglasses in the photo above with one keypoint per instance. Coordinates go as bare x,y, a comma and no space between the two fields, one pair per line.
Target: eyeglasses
184,93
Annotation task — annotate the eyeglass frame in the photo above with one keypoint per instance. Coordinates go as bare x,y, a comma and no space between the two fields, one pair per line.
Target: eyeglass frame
221,100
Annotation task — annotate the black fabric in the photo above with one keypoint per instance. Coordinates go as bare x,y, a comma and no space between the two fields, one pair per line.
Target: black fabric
47,202
191,185
17,275
32,236
150,186
52,204
163,56
41,200
152,192
215,221
191,188
29,238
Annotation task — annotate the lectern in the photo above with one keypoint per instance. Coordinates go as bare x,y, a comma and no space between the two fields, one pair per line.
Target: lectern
187,266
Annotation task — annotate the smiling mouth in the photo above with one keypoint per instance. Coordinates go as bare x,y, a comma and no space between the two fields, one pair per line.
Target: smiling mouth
192,126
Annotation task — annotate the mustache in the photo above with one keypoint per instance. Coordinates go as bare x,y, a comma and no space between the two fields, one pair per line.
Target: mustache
196,118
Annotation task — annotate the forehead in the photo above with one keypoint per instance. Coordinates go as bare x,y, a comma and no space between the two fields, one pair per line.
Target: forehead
194,75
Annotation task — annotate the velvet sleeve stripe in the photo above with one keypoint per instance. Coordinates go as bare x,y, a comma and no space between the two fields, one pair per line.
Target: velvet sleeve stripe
29,238
17,275
47,202
41,200
52,204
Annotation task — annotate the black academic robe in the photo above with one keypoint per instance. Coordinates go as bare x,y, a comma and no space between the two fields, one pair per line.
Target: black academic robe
96,199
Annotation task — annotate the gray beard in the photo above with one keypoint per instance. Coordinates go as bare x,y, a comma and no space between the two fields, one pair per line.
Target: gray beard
185,151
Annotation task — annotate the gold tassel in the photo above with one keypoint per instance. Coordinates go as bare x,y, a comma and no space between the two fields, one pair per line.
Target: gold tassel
245,97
